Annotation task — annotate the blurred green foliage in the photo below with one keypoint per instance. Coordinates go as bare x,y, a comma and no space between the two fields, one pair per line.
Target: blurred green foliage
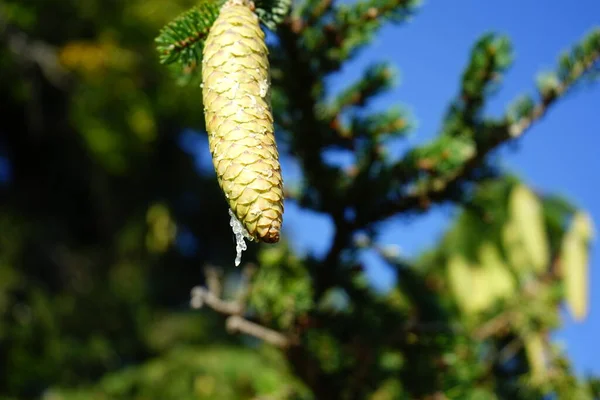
193,373
108,219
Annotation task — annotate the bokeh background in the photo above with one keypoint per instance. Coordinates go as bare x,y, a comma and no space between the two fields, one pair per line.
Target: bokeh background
110,210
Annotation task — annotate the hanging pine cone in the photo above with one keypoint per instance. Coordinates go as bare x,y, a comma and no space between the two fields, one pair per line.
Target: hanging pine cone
235,78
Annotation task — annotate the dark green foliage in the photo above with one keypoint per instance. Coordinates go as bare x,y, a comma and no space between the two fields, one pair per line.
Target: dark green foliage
198,373
490,57
182,39
272,12
281,290
335,34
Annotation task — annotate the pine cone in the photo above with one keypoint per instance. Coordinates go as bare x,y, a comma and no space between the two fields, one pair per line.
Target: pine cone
235,78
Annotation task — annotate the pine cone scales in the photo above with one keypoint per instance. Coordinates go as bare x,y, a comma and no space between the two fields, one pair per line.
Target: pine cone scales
235,77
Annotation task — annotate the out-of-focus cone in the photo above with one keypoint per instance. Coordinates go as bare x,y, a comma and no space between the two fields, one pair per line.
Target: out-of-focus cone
574,264
235,78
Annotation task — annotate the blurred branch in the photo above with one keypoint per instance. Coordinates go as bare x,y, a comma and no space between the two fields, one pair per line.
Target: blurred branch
309,131
309,138
314,10
335,33
376,79
214,276
393,122
235,323
441,188
494,325
34,51
490,58
527,293
308,53
354,25
201,296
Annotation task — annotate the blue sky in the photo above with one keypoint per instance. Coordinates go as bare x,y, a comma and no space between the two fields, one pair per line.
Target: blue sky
561,154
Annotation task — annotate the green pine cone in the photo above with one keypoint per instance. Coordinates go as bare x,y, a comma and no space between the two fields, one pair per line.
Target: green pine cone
237,107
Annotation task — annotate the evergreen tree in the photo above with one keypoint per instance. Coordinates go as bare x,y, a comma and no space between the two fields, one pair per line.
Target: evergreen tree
108,218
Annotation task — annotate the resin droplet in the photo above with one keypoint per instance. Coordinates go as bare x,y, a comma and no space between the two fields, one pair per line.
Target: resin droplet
240,234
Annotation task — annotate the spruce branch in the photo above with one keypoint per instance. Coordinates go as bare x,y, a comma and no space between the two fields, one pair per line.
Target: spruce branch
375,80
441,187
310,133
393,122
324,185
182,39
334,34
312,10
583,60
490,57
272,12
375,11
354,26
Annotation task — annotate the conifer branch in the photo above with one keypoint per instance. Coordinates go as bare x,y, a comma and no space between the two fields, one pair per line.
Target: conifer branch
182,39
440,188
272,12
314,10
333,40
374,81
364,17
491,56
391,122
302,80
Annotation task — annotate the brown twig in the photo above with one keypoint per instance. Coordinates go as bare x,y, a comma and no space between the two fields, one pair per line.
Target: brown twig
236,323
494,325
201,296
213,279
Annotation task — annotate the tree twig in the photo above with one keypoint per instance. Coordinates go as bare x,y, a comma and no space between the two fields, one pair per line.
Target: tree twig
494,325
202,296
236,323
213,279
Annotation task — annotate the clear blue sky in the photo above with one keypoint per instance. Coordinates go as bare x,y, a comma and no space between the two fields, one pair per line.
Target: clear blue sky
561,154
